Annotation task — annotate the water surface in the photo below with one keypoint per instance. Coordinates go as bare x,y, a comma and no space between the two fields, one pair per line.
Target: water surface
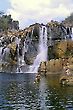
19,92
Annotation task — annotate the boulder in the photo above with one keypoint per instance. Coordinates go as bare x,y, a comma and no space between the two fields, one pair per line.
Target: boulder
54,65
66,80
70,60
29,61
50,66
58,65
42,68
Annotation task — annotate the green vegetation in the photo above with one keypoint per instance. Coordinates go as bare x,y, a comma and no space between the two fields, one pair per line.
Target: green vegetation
6,22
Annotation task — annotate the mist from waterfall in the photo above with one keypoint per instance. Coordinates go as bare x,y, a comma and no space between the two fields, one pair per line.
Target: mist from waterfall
42,50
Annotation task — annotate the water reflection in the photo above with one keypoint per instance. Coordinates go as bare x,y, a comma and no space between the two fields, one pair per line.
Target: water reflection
60,97
18,92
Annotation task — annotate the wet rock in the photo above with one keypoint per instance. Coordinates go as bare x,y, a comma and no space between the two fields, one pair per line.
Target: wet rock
13,50
66,79
51,52
35,36
42,68
31,52
57,30
53,66
28,60
5,54
9,67
0,66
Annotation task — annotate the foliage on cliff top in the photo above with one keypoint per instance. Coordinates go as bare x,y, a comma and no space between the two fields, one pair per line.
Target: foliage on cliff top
6,22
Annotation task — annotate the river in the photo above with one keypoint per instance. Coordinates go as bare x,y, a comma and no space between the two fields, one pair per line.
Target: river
19,92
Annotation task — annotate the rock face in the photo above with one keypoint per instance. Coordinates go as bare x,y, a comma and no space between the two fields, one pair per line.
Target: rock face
13,51
32,42
51,66
18,47
9,58
22,46
60,49
66,78
57,30
61,55
64,49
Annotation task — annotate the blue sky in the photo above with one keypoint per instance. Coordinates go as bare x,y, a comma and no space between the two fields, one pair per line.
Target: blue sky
4,5
32,11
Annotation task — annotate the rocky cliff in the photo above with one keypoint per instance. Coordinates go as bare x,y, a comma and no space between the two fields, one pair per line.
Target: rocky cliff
22,45
62,53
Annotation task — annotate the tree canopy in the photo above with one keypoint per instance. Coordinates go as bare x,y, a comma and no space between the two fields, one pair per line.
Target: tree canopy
6,22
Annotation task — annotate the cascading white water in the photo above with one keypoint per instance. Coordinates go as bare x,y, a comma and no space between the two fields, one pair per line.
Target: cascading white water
72,33
20,58
1,53
17,41
1,57
21,61
42,51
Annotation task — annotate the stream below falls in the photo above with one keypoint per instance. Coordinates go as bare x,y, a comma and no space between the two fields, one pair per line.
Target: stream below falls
19,92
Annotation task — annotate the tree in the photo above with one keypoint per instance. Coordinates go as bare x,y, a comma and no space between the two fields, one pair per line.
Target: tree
6,22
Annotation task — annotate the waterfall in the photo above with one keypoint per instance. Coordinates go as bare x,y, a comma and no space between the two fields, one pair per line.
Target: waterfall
42,50
1,53
17,41
21,61
20,58
72,33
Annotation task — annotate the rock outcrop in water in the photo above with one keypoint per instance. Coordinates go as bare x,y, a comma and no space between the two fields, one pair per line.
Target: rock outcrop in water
55,66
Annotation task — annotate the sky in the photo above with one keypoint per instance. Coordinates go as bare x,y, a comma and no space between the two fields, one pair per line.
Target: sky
28,12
